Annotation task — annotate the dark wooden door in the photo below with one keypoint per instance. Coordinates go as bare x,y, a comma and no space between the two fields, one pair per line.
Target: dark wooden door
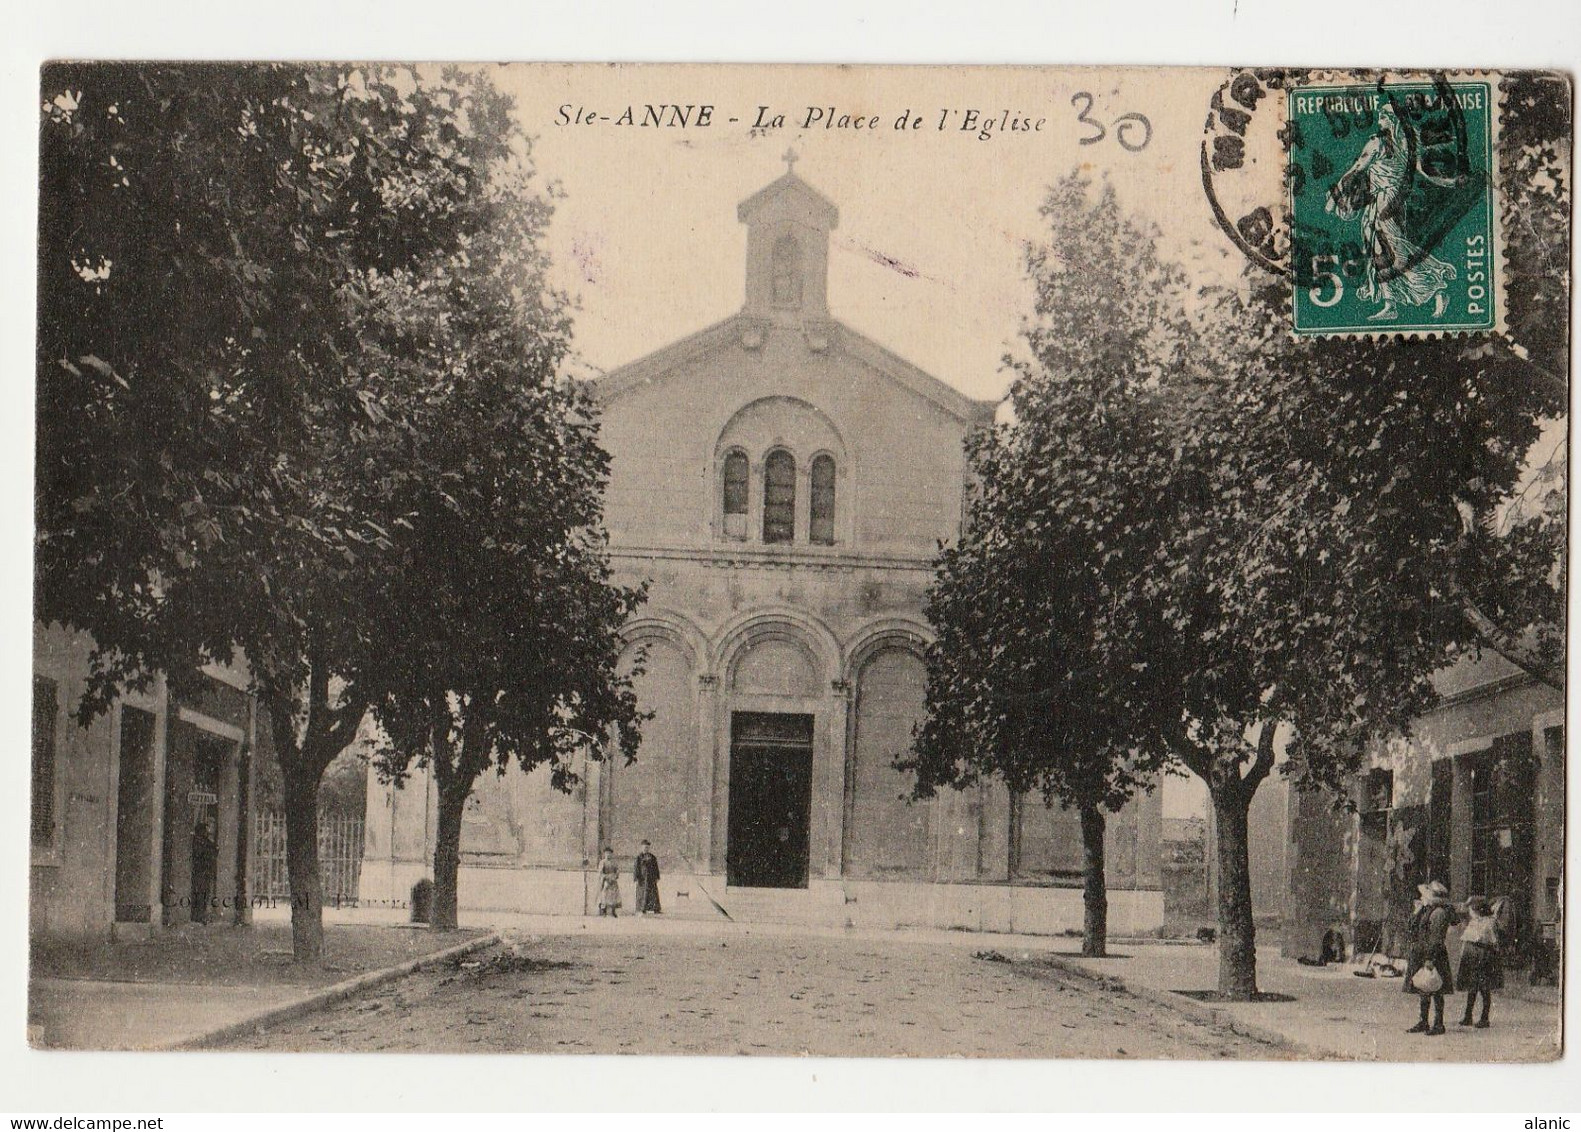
770,800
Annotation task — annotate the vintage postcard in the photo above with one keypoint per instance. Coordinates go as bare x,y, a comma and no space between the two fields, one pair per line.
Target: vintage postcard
1008,562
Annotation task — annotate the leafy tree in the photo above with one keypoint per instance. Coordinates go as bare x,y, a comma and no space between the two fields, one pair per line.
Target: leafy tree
221,462
502,628
1336,542
1290,536
1343,538
1023,681
1513,556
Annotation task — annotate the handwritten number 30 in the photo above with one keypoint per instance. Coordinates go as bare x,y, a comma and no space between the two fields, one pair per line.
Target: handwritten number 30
1125,126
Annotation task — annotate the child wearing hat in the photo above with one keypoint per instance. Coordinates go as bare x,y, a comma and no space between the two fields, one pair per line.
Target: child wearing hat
1427,936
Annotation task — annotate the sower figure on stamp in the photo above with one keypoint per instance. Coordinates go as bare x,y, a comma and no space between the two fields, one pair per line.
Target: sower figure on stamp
1396,271
646,874
608,884
1427,973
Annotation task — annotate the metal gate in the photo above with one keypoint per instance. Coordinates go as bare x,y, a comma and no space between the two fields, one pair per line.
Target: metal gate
339,857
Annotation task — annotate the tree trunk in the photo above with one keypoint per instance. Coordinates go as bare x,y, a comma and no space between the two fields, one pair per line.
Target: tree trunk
456,770
447,853
1237,931
301,854
303,758
1094,894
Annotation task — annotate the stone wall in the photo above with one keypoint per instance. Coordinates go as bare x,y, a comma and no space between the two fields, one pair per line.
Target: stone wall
901,466
1359,872
125,794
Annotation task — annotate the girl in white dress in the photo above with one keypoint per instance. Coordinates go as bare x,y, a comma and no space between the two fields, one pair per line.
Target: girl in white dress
608,884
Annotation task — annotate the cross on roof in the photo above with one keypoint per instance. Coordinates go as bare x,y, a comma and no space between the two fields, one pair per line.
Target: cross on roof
790,160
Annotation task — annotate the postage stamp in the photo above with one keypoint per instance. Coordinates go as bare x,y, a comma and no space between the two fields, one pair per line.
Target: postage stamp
1391,207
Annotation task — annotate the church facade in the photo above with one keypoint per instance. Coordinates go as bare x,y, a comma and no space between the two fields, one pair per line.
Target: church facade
782,484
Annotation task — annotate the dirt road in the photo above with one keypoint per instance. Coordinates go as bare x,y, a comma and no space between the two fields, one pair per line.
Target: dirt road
747,993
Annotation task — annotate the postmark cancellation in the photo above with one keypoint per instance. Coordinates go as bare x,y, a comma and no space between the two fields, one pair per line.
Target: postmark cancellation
1375,194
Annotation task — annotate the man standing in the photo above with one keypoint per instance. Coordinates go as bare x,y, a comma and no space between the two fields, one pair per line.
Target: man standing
646,874
205,856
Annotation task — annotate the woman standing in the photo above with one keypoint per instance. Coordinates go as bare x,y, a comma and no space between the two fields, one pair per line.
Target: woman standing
1426,944
608,884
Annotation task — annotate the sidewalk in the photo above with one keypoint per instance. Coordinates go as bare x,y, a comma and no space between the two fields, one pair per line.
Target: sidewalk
160,993
99,1014
706,925
1333,1014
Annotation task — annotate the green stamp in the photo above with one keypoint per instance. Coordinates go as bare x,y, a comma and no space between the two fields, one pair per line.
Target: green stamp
1392,221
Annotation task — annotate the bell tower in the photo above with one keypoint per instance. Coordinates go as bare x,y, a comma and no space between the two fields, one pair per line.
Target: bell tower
788,225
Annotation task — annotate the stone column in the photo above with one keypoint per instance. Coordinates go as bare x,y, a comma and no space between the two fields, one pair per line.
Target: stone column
756,481
229,832
956,821
717,735
994,835
1150,838
594,816
156,840
707,723
247,803
829,784
1459,878
803,520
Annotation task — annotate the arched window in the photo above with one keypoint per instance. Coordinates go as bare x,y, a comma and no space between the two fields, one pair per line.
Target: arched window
822,526
779,497
787,272
735,491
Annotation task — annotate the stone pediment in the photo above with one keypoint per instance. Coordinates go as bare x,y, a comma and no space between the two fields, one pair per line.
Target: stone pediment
828,337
